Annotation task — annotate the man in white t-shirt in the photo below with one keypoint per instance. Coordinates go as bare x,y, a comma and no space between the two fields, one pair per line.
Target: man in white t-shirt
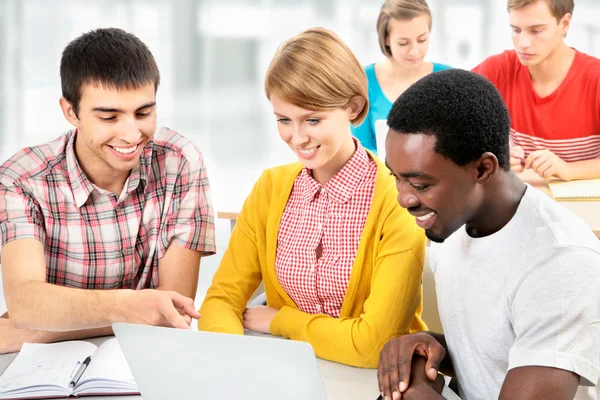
517,275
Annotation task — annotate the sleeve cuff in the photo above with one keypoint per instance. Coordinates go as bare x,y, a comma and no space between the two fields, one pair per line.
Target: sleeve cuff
589,374
22,232
288,322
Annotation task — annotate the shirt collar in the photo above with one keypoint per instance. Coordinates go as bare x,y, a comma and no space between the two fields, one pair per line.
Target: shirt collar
82,187
343,185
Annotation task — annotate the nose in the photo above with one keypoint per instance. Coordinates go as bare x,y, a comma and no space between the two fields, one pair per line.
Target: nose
406,198
299,137
130,131
414,51
524,41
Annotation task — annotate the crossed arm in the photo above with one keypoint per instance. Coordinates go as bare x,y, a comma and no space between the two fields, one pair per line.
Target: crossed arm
399,377
546,164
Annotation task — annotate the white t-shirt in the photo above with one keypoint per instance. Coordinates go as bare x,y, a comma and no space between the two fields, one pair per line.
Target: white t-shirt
527,295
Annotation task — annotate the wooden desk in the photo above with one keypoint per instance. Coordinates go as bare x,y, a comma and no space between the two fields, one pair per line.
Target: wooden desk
231,216
588,211
341,382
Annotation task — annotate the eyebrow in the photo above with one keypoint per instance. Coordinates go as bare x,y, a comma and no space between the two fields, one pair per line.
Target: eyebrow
532,26
416,174
424,33
310,114
120,110
412,174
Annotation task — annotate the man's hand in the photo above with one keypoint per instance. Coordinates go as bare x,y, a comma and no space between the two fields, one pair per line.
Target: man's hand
546,164
393,373
258,319
156,307
517,159
421,387
11,339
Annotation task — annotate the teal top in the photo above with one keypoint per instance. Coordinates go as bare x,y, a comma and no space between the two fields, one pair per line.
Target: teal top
379,108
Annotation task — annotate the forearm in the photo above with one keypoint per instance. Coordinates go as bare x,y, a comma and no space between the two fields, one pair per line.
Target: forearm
421,388
446,366
48,307
35,336
588,169
220,315
351,341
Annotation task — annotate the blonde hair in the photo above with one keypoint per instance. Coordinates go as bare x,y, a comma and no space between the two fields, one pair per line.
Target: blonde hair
399,10
315,70
558,8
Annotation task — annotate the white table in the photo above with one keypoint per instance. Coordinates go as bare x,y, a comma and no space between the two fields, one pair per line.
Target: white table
341,382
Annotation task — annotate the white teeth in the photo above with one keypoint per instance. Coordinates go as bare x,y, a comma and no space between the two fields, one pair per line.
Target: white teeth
307,152
426,217
125,150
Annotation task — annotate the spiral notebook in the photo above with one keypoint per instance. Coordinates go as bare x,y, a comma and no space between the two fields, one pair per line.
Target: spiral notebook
42,371
582,190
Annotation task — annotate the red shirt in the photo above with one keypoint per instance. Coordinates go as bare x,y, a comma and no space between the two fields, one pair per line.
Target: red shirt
333,216
566,122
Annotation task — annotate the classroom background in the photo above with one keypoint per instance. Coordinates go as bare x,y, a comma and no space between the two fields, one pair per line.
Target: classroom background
212,56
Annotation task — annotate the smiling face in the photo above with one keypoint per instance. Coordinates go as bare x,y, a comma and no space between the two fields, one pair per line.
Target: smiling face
408,40
440,194
536,33
320,139
113,126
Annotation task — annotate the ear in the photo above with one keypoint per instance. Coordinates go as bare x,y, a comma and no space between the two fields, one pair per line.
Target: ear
486,167
565,23
355,106
69,112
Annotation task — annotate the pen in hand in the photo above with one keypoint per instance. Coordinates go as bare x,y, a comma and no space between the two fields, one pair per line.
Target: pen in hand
80,371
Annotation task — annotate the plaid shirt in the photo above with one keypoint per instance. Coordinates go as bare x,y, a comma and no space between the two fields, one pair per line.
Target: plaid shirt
94,239
332,216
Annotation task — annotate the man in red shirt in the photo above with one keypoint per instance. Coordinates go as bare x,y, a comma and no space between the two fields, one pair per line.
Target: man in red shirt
552,92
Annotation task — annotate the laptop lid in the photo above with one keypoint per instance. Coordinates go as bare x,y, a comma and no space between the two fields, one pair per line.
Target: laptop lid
381,130
172,363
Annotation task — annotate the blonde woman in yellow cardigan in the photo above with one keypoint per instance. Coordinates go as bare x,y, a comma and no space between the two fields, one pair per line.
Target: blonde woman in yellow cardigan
340,261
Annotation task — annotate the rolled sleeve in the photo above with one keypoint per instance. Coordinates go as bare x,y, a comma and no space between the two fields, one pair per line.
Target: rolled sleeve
556,316
190,221
20,216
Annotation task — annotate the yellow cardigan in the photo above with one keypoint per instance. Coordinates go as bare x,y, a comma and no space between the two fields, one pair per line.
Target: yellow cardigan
384,296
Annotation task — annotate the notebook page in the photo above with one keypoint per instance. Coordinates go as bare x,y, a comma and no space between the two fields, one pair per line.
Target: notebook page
582,189
108,370
44,365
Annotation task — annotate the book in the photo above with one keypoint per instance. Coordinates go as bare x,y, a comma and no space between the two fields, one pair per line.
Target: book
48,370
582,190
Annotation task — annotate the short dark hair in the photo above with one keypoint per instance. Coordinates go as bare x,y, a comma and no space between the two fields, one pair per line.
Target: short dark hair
463,110
110,57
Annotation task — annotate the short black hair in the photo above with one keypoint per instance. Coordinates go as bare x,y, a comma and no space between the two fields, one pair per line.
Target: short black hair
108,56
463,110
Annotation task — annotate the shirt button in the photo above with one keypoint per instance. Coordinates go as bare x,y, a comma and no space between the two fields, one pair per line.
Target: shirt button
319,227
318,308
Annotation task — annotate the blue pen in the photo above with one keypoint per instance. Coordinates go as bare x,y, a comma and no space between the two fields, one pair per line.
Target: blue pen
80,371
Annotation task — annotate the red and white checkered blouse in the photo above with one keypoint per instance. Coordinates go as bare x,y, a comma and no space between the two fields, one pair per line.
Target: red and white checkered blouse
332,215
94,239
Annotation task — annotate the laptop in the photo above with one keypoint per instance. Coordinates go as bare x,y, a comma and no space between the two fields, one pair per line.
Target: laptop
172,363
381,130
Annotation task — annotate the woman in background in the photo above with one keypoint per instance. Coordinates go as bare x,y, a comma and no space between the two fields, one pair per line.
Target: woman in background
403,27
340,261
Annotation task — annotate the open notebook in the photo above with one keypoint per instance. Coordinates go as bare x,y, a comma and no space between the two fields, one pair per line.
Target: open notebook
46,370
583,190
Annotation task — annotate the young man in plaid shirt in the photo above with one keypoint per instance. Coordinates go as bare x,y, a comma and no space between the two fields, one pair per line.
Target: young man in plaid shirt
108,222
